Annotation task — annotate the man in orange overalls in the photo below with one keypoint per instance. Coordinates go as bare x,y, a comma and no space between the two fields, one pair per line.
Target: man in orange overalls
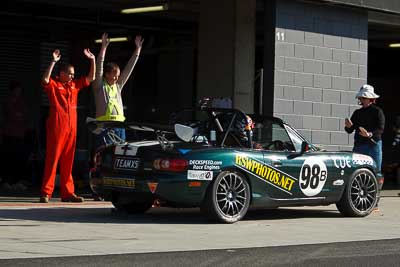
61,126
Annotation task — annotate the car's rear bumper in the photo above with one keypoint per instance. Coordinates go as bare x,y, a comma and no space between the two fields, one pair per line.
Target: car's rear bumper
177,191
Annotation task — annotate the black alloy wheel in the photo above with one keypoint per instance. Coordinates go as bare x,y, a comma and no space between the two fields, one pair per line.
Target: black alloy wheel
228,198
360,196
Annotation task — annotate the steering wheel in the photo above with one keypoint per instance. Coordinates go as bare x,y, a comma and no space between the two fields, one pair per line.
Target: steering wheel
277,145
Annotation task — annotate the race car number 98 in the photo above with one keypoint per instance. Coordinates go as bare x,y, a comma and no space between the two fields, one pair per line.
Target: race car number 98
313,176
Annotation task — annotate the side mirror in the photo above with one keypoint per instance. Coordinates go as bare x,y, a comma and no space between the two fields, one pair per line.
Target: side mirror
304,147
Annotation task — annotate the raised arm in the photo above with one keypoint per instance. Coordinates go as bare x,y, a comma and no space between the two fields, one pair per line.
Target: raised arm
138,42
100,58
132,61
49,70
105,41
90,77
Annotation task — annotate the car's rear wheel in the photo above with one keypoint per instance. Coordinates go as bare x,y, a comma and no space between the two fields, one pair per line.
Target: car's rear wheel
360,195
122,203
228,198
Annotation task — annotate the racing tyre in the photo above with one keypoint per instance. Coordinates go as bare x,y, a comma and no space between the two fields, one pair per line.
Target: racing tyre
360,195
228,198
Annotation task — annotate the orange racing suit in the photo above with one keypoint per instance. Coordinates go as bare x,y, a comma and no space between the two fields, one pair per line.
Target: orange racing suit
61,128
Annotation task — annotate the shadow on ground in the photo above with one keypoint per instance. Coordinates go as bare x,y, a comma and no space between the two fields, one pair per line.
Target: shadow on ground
107,214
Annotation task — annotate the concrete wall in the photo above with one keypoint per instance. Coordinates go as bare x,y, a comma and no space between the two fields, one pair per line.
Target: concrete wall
226,49
320,64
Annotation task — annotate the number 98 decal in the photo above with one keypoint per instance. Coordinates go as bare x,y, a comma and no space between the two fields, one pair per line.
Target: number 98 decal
313,176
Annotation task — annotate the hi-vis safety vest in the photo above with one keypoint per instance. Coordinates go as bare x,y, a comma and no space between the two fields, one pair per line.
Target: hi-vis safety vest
112,91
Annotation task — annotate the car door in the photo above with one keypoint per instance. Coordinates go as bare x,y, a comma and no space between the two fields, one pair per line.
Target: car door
276,183
289,174
308,172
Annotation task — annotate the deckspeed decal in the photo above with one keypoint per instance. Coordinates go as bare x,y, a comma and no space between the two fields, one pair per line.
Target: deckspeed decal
205,164
266,173
313,175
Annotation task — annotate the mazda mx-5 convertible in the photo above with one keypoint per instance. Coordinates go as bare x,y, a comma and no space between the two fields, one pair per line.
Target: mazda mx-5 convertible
217,160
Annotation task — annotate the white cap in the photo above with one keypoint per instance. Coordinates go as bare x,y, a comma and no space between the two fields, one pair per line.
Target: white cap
367,91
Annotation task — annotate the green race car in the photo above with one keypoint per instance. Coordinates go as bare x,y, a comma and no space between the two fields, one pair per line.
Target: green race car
224,163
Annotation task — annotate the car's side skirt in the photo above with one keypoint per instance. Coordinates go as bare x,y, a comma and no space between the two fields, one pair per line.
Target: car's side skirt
296,199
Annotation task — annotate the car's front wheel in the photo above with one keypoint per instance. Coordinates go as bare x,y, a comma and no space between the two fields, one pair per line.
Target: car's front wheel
360,195
228,198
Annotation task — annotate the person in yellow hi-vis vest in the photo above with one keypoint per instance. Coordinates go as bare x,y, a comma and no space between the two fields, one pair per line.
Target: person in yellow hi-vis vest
108,88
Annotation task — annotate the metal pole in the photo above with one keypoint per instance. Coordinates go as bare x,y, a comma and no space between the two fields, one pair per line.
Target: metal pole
260,99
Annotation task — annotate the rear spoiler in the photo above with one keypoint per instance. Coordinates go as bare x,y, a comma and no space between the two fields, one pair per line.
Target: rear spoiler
159,130
96,126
